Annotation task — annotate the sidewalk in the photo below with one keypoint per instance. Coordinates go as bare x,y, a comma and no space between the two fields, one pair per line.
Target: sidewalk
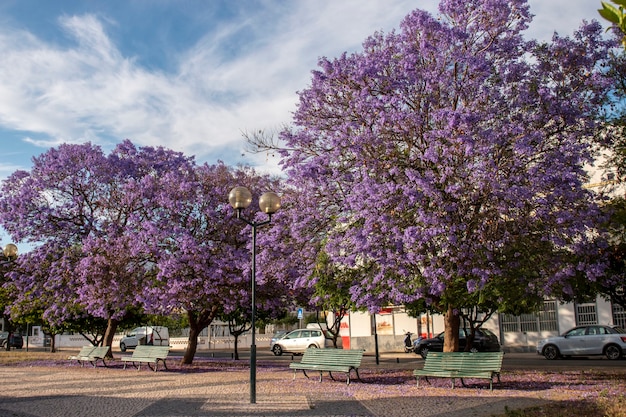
72,391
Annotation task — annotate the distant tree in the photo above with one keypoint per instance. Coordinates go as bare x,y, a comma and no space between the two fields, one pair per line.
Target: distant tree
331,297
81,205
441,147
200,251
7,291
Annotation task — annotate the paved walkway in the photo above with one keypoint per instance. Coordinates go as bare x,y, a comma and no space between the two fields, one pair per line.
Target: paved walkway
73,391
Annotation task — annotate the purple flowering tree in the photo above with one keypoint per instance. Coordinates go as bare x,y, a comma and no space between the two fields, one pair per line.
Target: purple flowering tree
81,206
431,155
201,253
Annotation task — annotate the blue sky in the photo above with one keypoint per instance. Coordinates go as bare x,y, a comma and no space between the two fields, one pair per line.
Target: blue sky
191,75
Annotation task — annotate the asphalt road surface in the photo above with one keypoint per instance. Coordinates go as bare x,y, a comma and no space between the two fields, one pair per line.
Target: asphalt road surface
401,360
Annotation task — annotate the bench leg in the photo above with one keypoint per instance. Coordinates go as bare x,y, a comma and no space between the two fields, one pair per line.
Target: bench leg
304,372
330,374
320,376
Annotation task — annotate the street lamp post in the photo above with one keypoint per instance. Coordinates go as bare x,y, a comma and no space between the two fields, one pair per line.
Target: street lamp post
269,203
9,251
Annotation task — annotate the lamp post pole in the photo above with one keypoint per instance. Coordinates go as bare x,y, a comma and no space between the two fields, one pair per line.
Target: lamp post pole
240,198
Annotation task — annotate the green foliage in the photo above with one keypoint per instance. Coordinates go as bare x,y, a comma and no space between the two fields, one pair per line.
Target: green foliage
614,13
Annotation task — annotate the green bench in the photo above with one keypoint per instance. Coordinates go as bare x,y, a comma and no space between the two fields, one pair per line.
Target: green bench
151,355
91,354
481,365
329,360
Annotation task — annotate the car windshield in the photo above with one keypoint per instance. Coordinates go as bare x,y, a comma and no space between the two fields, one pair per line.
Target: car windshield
578,331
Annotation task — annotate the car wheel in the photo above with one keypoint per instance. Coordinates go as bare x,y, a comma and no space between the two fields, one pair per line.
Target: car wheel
551,352
474,350
123,347
312,346
424,352
613,352
277,350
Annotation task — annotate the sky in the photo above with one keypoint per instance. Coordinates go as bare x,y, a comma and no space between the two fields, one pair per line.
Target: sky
189,75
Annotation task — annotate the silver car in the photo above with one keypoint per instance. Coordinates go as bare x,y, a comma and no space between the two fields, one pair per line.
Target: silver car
297,341
585,341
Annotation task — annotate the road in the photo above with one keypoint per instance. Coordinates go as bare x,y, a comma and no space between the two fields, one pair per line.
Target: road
401,360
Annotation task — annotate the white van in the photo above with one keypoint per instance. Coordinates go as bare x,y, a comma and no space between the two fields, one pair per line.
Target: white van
145,335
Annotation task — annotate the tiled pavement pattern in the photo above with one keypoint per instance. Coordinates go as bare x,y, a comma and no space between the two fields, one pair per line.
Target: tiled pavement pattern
93,392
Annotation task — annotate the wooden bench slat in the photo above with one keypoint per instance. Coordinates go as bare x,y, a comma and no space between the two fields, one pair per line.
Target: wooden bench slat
481,365
148,354
329,360
91,354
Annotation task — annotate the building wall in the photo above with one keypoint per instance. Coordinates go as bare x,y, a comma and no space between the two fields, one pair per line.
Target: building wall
392,326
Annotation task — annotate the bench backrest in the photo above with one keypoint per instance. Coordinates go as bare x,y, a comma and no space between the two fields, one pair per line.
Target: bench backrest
483,361
147,351
86,350
99,352
473,361
330,356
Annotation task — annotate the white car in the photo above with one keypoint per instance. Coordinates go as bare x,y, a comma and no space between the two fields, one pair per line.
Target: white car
585,341
145,335
297,341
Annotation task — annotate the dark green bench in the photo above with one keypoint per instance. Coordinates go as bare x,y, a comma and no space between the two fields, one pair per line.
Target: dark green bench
329,360
453,365
151,355
91,354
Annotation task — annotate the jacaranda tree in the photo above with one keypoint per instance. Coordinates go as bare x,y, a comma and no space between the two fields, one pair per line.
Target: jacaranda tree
80,206
200,253
440,156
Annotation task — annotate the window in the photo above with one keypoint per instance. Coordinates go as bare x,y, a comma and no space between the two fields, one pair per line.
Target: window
544,320
619,315
586,314
579,331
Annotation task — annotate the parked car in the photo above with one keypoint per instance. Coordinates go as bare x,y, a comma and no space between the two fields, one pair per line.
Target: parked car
277,335
145,335
484,341
585,341
17,341
297,341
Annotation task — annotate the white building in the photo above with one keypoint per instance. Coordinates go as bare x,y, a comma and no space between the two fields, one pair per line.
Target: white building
516,333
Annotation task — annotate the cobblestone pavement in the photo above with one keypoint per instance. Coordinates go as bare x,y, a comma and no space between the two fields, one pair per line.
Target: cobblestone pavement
73,391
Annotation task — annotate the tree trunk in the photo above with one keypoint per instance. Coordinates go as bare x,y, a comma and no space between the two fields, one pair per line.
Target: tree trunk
8,326
236,344
197,322
109,334
192,344
53,342
451,332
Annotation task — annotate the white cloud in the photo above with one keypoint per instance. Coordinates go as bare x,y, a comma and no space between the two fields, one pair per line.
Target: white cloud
90,91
